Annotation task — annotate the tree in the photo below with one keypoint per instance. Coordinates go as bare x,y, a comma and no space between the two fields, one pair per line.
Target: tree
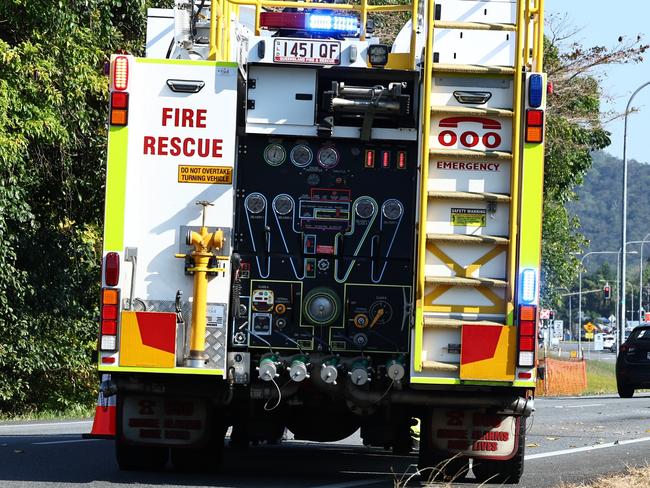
574,130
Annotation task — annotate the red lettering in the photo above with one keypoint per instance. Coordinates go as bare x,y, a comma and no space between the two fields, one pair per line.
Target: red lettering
451,434
455,418
186,150
149,145
162,146
188,117
217,146
175,143
203,149
458,445
166,115
201,115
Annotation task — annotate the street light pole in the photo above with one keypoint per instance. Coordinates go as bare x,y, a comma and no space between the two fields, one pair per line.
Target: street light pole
624,218
645,239
582,259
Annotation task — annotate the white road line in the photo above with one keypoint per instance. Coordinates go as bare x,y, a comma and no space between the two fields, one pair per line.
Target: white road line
586,448
579,406
64,442
51,424
350,484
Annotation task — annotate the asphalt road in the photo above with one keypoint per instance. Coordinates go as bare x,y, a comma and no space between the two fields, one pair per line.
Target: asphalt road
587,349
571,439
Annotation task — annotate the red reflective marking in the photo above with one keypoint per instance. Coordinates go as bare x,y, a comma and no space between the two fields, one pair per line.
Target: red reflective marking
158,330
447,138
491,140
479,342
109,360
456,121
525,376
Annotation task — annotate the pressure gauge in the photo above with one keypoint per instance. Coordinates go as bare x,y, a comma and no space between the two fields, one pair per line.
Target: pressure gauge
328,157
274,154
255,203
392,209
283,204
301,155
365,207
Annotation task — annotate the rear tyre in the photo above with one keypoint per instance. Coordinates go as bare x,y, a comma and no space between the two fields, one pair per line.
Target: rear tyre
436,465
624,390
204,459
140,458
503,472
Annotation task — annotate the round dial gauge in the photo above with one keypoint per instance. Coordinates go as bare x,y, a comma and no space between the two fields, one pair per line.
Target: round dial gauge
380,312
328,157
282,204
301,155
365,207
392,209
274,154
255,203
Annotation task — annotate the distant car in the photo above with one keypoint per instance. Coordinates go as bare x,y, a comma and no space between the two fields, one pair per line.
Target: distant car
609,342
633,362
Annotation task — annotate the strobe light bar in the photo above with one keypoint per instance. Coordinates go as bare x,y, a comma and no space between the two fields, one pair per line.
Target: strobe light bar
311,22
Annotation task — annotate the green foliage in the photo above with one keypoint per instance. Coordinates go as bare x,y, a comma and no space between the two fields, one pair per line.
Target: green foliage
52,151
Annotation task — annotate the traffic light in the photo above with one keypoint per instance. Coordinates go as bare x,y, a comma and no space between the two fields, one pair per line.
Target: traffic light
607,291
551,315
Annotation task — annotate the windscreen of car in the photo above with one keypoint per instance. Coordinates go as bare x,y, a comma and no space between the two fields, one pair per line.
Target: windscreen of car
641,335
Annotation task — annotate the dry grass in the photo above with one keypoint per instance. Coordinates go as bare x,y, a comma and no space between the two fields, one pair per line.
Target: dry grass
633,478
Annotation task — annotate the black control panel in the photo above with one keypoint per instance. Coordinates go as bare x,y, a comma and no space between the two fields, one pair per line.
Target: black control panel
325,229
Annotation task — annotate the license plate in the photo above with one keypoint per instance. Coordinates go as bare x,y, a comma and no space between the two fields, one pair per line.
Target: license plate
304,51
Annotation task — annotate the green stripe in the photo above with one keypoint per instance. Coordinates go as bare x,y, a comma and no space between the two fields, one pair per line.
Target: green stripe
186,62
530,237
118,138
197,371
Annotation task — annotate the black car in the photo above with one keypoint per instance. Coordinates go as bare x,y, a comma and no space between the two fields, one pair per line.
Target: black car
633,363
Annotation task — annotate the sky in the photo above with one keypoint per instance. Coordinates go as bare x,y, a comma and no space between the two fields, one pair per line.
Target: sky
601,24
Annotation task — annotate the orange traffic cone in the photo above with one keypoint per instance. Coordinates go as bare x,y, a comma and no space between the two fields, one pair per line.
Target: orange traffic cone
105,413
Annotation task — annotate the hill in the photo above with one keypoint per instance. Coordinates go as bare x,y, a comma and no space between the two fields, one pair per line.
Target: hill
599,202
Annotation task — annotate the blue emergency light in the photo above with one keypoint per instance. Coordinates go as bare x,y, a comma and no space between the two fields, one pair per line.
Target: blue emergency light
535,90
528,286
332,23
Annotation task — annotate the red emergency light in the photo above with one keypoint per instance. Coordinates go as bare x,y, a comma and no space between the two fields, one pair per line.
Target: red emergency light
527,335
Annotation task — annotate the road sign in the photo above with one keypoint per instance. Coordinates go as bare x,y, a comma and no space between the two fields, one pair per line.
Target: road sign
589,327
647,317
545,314
599,342
589,335
612,319
558,328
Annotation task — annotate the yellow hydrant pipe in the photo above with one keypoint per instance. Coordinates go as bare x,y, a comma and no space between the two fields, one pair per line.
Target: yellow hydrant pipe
204,243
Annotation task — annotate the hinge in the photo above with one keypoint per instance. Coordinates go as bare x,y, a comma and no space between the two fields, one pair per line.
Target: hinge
250,104
252,83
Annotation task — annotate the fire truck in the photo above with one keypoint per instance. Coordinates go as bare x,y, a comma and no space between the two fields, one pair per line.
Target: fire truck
311,228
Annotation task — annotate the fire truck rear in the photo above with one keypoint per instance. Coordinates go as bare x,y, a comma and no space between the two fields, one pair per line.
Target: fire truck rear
310,231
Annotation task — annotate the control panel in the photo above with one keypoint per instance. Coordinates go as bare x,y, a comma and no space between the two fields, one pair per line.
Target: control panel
325,234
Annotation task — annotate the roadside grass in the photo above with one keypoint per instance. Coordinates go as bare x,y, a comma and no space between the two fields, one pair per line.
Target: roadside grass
601,377
73,412
632,478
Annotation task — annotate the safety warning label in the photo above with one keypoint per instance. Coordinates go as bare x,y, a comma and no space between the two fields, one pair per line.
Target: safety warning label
215,175
468,217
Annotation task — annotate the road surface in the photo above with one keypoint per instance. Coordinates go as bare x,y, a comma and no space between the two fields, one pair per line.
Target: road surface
571,439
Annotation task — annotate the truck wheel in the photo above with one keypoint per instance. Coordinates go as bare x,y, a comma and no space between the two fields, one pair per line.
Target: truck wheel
140,458
624,390
205,459
435,465
503,472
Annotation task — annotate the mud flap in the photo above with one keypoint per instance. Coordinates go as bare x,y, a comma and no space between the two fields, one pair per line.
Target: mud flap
475,433
160,421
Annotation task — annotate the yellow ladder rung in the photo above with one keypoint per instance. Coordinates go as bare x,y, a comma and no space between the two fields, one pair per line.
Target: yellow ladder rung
435,323
462,281
473,69
469,239
471,154
447,24
455,109
473,196
439,366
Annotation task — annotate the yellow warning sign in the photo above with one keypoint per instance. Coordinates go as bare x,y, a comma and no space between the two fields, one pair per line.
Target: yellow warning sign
589,327
589,335
210,175
468,217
